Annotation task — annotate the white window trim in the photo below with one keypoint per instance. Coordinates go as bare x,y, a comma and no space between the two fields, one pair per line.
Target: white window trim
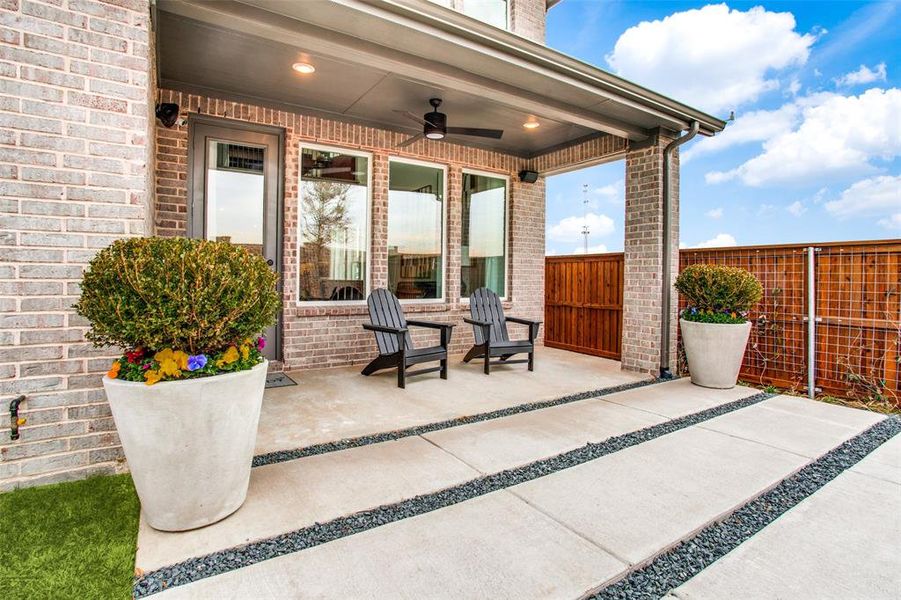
444,201
367,283
506,178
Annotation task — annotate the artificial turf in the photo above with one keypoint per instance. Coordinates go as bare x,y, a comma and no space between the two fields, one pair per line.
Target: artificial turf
69,540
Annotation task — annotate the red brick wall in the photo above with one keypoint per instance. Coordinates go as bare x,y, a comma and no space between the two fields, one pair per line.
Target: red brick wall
73,177
332,336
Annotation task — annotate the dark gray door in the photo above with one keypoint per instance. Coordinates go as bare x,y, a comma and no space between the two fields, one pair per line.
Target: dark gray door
235,182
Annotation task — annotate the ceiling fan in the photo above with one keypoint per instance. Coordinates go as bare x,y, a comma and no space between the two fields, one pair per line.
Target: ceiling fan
434,126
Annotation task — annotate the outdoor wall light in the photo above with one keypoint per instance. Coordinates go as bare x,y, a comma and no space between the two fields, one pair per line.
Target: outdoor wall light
167,113
302,67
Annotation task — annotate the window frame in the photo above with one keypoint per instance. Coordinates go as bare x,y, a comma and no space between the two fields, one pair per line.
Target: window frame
444,201
367,280
506,178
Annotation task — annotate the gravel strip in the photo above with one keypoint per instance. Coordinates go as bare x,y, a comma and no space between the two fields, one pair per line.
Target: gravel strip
242,556
365,440
672,569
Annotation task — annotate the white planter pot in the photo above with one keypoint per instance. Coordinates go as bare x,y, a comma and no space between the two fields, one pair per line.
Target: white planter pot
189,444
714,352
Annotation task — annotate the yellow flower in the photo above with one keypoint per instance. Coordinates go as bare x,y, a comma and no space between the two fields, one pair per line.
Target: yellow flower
114,370
245,352
152,377
181,359
230,356
168,367
163,355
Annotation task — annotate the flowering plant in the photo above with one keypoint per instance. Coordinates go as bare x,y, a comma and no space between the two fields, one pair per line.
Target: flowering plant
171,365
718,294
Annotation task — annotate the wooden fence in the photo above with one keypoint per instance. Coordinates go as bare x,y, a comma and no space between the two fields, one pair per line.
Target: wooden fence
858,312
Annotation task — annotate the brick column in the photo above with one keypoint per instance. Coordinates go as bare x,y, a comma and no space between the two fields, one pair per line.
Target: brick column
527,18
643,252
75,119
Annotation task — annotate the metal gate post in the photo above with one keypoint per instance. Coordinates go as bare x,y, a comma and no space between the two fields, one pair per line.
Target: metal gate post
811,323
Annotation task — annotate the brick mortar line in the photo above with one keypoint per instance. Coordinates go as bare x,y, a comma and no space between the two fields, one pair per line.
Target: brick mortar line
665,572
230,559
279,456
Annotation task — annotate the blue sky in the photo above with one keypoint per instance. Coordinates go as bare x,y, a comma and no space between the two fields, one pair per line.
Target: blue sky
813,154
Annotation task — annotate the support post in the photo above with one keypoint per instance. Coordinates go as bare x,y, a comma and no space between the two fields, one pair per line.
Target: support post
811,323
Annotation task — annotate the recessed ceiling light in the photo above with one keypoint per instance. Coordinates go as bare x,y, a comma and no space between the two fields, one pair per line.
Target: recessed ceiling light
305,68
531,124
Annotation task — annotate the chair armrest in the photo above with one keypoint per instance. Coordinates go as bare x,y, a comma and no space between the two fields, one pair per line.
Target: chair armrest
429,324
383,328
523,321
475,322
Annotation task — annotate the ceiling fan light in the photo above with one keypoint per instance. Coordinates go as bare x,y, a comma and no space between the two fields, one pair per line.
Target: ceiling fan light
304,68
435,135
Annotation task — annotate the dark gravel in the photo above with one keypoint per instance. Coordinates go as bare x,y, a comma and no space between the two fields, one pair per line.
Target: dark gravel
242,556
672,569
365,440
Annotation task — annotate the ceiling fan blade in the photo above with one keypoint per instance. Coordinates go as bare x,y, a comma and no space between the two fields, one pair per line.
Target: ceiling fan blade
410,140
411,116
487,133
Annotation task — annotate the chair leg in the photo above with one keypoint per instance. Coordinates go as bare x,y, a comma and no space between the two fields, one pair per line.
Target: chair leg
531,361
372,367
402,376
444,368
487,359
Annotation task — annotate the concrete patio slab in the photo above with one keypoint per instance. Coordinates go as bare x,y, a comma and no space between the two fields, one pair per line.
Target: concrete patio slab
842,542
332,404
679,398
642,500
494,546
492,446
294,494
883,463
794,424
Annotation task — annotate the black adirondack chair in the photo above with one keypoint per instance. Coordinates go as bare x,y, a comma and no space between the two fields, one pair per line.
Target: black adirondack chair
489,326
393,339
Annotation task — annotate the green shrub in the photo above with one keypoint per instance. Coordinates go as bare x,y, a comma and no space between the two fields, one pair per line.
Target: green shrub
718,294
181,294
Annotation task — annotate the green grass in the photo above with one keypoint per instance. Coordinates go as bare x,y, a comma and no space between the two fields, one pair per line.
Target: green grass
69,540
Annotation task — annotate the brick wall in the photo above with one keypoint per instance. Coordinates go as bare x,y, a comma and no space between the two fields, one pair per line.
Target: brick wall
73,177
643,251
332,336
527,18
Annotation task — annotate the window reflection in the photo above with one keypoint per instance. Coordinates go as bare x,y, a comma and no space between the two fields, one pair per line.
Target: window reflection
235,193
483,253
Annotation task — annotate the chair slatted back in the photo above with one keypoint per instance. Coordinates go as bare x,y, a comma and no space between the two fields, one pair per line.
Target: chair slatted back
385,310
484,305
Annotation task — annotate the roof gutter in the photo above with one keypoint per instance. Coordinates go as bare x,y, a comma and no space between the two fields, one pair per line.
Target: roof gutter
666,251
551,4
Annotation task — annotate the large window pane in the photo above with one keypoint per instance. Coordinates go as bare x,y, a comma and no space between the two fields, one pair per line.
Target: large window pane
334,200
484,261
415,230
235,192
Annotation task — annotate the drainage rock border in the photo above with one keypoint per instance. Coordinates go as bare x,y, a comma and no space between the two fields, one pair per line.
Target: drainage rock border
673,568
223,561
376,438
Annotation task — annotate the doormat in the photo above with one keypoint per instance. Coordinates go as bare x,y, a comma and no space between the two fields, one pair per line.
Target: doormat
274,380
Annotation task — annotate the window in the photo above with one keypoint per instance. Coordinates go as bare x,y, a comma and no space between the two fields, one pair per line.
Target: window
483,245
415,230
235,195
334,225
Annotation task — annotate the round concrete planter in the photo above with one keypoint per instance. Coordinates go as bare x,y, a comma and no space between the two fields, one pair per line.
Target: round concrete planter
189,444
714,352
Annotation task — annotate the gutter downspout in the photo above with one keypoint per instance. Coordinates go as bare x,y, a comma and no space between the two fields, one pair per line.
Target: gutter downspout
665,372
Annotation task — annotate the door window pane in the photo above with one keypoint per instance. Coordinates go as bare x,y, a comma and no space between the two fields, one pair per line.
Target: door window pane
235,193
334,225
415,230
483,260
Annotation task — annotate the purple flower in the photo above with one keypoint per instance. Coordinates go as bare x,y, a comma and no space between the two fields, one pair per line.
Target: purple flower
197,361
261,343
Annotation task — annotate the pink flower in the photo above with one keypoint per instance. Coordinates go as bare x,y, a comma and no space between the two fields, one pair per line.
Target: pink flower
261,343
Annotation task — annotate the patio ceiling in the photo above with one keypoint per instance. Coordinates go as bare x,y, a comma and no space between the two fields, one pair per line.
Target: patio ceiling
374,58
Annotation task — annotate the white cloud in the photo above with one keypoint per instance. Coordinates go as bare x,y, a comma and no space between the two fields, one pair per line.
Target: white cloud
599,249
755,126
796,208
550,252
570,228
766,210
713,58
613,192
794,86
715,213
837,136
863,75
720,240
873,197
